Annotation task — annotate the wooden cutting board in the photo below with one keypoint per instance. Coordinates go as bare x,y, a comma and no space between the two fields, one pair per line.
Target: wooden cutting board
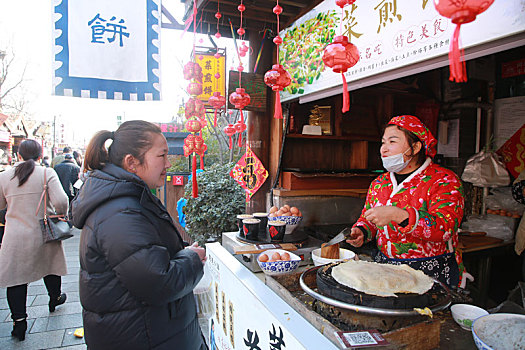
467,242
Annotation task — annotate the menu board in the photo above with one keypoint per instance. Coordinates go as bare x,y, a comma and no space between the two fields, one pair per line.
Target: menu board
255,87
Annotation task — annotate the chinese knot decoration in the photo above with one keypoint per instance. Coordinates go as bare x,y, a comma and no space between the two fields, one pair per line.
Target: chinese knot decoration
277,78
460,12
341,55
217,101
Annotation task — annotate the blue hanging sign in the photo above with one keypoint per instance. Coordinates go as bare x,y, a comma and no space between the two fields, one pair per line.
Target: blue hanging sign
107,49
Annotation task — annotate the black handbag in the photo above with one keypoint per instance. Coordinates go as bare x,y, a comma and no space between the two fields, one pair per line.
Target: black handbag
54,227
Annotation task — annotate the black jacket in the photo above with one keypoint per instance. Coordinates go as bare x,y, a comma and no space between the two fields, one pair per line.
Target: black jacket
136,279
67,172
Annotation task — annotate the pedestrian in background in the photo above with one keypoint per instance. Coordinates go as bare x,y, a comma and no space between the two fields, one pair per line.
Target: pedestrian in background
67,172
45,161
78,158
24,257
60,158
136,277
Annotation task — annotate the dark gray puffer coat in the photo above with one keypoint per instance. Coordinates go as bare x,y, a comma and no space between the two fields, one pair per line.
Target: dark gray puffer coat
136,278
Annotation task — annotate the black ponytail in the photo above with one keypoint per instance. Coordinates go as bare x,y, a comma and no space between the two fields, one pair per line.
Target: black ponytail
133,137
30,151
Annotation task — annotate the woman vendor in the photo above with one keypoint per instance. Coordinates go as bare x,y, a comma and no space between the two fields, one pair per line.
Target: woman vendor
414,209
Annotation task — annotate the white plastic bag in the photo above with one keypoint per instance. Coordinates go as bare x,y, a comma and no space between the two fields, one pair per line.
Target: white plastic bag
485,169
203,295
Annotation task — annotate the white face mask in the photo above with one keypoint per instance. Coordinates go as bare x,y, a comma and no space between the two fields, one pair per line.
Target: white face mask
395,163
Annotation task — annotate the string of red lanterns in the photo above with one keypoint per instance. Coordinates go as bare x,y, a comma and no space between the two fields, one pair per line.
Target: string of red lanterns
277,78
194,112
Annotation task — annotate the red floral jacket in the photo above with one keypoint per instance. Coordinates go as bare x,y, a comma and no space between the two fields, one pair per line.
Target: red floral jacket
433,197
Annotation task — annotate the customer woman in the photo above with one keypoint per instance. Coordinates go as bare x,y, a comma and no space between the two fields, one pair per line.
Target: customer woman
136,278
414,210
24,257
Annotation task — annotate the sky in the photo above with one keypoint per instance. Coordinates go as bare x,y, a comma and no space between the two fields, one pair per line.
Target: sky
26,27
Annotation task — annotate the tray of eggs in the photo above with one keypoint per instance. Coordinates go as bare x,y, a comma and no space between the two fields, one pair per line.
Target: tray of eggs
278,262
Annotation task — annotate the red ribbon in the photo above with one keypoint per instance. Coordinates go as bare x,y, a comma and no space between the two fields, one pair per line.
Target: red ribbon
458,72
194,185
346,95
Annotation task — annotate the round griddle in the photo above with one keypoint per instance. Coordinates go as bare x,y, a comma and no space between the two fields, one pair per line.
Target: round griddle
297,236
333,293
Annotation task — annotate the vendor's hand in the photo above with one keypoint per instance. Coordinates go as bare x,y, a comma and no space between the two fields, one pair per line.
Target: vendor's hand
357,237
199,250
383,215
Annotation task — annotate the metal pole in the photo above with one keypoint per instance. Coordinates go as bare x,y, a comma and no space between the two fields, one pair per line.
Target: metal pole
54,137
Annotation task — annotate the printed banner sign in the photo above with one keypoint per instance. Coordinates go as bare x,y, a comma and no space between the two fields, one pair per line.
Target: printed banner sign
107,49
249,172
214,72
388,33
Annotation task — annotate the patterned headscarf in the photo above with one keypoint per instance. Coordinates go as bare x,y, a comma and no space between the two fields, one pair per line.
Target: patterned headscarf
414,125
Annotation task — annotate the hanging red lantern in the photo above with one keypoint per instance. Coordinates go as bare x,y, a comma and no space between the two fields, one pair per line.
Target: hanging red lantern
217,101
240,99
194,108
460,12
192,70
341,55
240,127
194,88
230,131
277,78
193,125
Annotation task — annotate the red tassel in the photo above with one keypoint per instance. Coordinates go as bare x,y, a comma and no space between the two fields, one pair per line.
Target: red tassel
346,95
195,188
456,58
230,147
278,109
242,117
239,139
202,162
215,119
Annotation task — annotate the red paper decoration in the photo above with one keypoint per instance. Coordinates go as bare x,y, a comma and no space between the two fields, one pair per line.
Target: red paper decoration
230,131
277,78
341,55
217,101
460,12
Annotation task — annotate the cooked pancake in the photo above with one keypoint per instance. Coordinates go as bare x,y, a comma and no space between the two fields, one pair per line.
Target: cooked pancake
383,280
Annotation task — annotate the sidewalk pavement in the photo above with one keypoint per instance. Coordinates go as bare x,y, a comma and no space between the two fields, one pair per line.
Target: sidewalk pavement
47,330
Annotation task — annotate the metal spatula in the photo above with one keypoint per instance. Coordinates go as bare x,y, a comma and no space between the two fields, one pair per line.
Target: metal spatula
341,236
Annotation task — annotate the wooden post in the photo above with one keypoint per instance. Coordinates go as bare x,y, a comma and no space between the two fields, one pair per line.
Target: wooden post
258,125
